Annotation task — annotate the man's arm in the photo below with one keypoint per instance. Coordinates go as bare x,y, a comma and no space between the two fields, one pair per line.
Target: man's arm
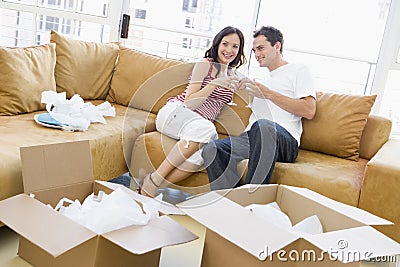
304,107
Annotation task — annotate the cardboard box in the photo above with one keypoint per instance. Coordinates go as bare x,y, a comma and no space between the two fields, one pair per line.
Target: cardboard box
47,238
236,237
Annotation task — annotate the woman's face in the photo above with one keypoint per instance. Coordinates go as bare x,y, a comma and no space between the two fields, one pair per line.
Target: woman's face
228,48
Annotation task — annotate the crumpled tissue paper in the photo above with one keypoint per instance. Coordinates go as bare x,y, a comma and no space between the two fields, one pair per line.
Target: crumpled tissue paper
75,112
104,213
273,214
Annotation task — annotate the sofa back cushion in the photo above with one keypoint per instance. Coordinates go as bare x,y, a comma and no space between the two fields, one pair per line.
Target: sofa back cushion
84,68
24,74
132,70
155,91
338,124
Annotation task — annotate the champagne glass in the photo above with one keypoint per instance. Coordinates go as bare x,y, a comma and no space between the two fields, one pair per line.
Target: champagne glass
243,75
232,103
250,104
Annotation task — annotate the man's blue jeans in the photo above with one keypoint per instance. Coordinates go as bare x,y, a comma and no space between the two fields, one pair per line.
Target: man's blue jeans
264,144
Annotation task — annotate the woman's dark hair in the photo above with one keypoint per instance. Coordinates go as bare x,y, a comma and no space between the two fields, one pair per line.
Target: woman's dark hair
272,34
212,52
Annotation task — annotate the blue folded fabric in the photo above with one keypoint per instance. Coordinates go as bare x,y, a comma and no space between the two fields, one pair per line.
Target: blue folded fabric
46,118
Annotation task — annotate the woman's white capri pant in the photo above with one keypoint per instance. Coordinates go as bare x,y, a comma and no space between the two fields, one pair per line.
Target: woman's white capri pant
181,123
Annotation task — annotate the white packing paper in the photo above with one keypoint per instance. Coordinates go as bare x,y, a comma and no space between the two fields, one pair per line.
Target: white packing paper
104,213
273,214
75,112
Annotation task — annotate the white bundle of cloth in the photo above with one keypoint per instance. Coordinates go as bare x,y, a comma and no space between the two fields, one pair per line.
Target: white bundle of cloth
272,213
104,213
75,112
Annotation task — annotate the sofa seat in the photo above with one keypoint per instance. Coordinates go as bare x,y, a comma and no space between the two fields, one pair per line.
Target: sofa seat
334,177
106,141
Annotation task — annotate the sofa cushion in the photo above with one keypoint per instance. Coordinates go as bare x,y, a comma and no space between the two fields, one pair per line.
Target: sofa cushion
334,177
24,74
164,84
338,124
84,68
132,69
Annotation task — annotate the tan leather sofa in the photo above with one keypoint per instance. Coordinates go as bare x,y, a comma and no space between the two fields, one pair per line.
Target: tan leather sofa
345,152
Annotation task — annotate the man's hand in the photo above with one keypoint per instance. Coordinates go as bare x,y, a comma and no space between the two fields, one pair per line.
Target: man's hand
254,88
304,107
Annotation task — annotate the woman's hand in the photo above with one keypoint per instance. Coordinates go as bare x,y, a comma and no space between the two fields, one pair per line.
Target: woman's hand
228,82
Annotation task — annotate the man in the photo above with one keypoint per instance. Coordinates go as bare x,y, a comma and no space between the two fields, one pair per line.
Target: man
274,129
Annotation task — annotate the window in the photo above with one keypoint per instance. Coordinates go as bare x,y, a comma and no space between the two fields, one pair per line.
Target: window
93,7
398,57
28,2
57,4
205,19
52,23
185,5
189,6
16,28
81,19
342,51
188,23
187,43
140,14
391,98
66,26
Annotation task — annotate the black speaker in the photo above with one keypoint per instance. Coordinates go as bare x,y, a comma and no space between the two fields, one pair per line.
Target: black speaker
125,26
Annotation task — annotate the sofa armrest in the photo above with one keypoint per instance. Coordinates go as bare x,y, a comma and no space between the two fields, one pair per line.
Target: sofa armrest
380,193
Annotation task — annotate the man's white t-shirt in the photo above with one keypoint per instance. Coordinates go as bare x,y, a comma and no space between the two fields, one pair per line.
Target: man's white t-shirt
292,80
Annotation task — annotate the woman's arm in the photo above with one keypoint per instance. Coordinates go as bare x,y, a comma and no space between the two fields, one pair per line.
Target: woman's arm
194,96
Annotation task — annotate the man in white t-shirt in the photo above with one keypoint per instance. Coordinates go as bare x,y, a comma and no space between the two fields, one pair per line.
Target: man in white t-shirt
274,129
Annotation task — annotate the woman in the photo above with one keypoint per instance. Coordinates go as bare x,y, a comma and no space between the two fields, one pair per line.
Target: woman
189,117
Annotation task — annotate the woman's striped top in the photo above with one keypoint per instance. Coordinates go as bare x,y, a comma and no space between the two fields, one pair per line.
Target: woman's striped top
212,106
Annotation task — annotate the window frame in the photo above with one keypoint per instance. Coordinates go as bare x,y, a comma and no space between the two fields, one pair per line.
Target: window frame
112,18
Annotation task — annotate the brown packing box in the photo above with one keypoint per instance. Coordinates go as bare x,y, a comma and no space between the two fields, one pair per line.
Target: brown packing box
47,238
236,237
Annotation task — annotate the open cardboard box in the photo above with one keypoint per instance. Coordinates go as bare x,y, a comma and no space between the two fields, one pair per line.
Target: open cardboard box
236,237
48,238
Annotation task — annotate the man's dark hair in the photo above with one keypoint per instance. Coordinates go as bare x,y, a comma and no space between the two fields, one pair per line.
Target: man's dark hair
272,34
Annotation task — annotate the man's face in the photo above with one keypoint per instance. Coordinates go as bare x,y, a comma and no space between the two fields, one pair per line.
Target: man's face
266,54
